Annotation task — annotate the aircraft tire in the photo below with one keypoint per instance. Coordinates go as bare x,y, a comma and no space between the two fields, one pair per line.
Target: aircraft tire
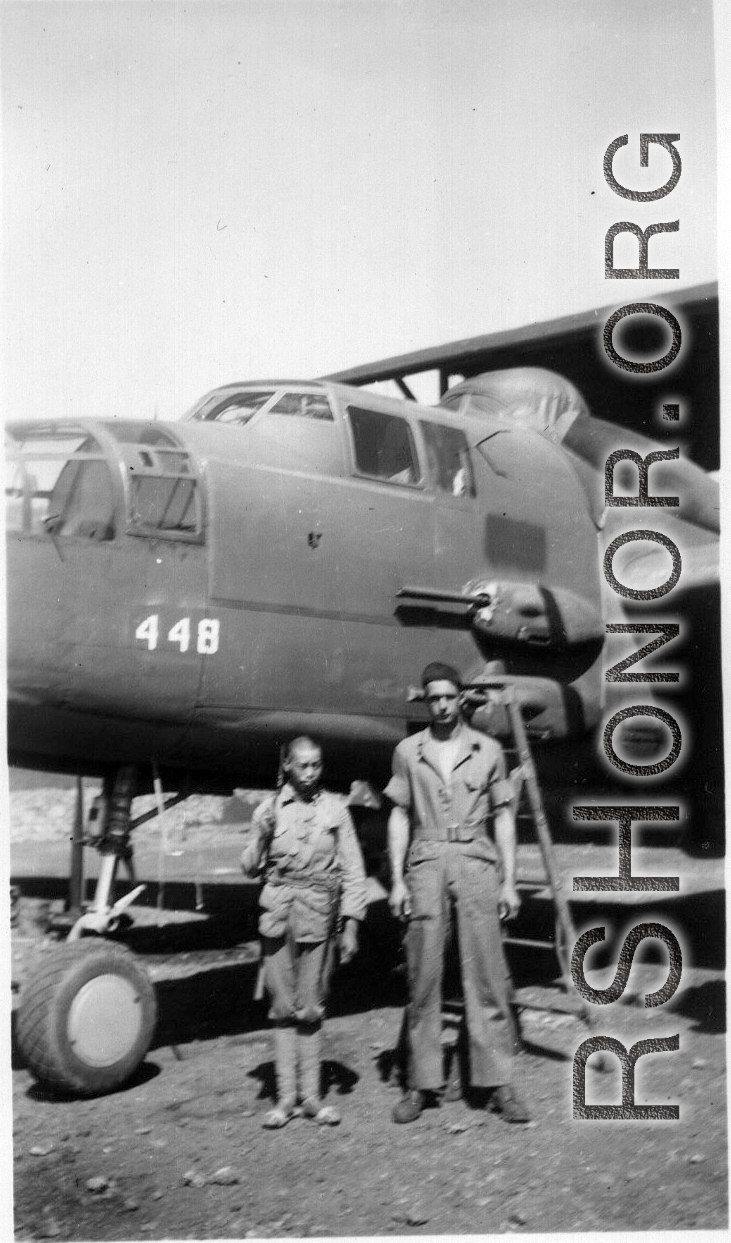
87,1017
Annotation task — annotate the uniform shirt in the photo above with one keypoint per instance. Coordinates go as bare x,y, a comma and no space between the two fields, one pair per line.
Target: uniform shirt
456,810
313,859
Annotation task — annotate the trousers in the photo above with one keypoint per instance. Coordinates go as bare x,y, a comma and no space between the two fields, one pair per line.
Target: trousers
455,878
296,977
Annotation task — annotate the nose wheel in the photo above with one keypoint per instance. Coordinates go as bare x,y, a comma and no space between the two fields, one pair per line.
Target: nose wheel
87,1017
88,1012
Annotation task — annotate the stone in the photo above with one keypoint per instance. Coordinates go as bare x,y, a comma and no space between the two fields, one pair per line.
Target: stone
50,1229
97,1185
193,1179
225,1177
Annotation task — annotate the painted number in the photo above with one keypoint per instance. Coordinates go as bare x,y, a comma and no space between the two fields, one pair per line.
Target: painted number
148,630
180,633
207,634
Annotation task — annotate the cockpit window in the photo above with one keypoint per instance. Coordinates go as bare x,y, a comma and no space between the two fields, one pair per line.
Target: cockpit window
448,458
58,483
384,446
163,504
303,406
82,502
230,407
162,488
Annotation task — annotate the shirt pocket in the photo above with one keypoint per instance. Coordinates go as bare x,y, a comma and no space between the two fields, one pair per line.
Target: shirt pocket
274,905
474,806
329,838
268,897
284,845
474,791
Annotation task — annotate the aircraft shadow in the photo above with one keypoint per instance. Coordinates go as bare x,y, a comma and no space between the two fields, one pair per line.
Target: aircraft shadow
219,1000
204,991
705,1004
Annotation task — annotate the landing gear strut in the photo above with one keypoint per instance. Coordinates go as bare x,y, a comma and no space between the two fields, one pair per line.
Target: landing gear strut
114,847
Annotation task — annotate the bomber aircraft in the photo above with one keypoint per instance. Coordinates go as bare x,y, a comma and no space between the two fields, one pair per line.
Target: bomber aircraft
285,559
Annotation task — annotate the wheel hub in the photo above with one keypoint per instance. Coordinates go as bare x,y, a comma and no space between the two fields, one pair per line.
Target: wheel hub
104,1020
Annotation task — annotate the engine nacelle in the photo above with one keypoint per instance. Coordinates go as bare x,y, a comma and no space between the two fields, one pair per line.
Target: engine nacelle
536,398
527,613
551,710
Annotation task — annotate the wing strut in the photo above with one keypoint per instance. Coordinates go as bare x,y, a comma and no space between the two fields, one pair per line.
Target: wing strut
403,386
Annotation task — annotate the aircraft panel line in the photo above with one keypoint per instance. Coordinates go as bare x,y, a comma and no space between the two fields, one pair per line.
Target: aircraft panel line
256,606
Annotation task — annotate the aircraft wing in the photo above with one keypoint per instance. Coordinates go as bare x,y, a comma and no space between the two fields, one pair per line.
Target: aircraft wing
572,346
648,568
645,564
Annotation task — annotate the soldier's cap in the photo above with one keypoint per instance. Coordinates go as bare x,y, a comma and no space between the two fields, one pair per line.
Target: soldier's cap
437,671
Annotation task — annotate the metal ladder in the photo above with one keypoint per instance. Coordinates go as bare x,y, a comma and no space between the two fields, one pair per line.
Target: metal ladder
530,809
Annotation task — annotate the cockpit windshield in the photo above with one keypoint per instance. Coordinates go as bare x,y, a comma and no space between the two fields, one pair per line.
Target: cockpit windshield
230,406
303,406
236,405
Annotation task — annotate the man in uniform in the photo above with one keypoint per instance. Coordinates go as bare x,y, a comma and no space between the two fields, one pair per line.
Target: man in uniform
448,782
305,844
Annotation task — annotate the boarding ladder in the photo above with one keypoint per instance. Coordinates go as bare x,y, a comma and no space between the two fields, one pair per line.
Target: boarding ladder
529,810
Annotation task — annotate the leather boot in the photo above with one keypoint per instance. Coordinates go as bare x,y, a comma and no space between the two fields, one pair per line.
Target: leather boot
409,1108
506,1102
453,1079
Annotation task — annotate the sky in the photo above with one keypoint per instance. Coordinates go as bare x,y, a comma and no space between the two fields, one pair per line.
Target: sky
195,193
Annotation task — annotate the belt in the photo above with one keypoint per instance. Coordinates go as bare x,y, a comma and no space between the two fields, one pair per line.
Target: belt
447,833
330,884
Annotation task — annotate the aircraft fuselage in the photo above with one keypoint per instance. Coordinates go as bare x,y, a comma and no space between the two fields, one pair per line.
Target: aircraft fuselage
192,593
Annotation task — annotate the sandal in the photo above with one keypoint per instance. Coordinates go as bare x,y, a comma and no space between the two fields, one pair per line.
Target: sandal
324,1115
279,1116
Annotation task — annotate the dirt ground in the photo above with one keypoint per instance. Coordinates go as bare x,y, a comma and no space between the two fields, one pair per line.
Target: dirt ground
180,1153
